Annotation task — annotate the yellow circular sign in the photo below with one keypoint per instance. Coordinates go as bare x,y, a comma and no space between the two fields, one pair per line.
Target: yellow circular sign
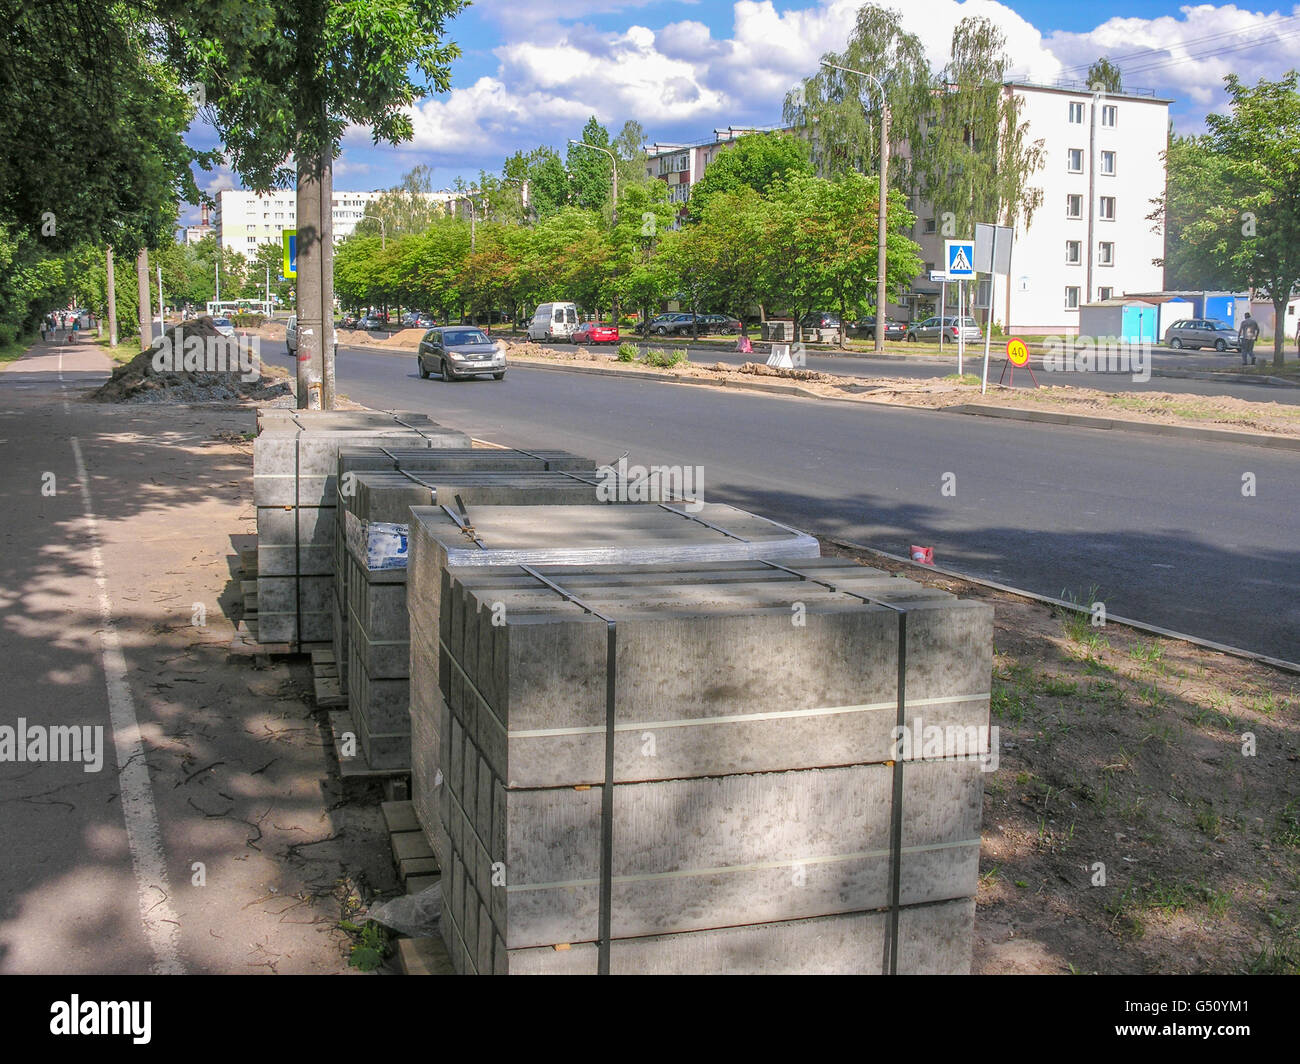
1017,352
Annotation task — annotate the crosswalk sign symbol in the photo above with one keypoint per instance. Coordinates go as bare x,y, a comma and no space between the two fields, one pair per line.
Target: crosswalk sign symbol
960,258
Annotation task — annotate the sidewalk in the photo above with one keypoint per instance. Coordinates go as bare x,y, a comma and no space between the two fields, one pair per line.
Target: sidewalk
215,834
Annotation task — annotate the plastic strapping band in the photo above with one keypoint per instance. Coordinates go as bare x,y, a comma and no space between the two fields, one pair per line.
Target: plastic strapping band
464,526
889,960
604,928
716,528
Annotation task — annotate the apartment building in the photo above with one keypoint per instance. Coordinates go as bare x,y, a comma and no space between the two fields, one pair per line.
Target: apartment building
1090,238
680,166
245,219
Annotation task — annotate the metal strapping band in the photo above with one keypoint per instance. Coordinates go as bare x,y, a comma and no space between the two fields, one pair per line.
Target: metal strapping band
889,961
710,524
604,929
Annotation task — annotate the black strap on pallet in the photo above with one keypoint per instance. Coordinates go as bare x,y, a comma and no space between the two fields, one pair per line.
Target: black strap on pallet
889,958
604,926
710,524
465,525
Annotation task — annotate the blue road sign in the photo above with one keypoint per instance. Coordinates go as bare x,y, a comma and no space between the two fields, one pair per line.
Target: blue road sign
960,257
290,253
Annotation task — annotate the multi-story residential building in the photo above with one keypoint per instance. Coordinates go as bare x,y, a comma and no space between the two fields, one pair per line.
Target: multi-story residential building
246,219
194,233
1089,239
680,166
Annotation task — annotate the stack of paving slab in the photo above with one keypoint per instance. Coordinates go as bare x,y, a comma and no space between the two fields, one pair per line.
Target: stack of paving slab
374,639
755,706
295,455
752,808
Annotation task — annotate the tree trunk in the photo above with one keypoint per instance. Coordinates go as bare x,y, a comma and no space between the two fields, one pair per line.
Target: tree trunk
111,297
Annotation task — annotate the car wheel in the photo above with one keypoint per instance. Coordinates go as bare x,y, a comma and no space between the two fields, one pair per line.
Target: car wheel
1176,344
424,373
499,376
659,330
1219,345
446,372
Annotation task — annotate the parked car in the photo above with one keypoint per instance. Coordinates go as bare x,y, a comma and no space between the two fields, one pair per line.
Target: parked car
1202,332
719,323
595,332
667,324
553,321
458,352
291,337
424,321
224,326
930,328
371,322
820,319
894,330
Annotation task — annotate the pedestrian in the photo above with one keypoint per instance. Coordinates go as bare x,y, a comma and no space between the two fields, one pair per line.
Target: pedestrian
1248,334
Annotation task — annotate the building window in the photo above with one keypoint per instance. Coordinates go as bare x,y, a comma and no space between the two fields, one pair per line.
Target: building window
1107,211
1072,297
1105,293
929,268
1108,162
1074,206
1073,252
929,223
1109,115
1074,160
1106,253
1076,113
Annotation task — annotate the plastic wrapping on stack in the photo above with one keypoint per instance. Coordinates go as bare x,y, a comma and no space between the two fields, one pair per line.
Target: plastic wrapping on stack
295,456
764,802
418,462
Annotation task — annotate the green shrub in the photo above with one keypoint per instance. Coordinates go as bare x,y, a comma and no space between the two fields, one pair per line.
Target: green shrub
628,352
247,321
662,359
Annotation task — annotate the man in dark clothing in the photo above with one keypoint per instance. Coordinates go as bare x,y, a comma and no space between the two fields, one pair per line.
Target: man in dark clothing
1249,333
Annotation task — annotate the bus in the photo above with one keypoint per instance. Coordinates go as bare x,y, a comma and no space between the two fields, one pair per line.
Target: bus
226,307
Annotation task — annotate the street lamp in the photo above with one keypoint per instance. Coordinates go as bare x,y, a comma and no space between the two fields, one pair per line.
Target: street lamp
614,164
383,230
884,191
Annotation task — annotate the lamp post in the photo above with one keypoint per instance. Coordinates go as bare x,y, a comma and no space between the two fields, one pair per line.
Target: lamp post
613,163
884,192
383,230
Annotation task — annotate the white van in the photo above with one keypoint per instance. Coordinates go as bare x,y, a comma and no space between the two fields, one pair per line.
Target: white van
554,321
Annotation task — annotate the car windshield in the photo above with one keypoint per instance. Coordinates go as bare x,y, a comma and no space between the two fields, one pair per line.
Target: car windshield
461,337
220,321
1220,326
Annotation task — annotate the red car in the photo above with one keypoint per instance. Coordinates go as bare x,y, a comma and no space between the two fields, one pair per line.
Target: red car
595,332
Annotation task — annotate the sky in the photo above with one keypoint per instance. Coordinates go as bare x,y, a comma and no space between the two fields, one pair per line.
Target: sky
532,72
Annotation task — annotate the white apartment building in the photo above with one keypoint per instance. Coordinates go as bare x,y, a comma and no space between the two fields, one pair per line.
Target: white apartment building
679,166
1090,238
246,219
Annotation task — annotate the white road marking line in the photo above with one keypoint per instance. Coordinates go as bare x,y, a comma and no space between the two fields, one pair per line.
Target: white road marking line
144,839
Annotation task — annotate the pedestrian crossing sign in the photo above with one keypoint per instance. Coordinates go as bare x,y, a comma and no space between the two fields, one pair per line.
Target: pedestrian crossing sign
960,258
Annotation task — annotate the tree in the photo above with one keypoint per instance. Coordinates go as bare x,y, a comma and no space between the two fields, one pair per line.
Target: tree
718,262
1196,187
405,208
1104,76
1253,233
977,160
590,178
755,161
629,148
284,81
548,181
827,108
822,243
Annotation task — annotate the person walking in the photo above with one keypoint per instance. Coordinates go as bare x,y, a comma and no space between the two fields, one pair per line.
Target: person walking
1248,334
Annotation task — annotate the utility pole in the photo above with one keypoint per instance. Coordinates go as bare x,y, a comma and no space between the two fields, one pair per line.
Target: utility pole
162,325
216,269
881,223
383,230
311,319
112,297
142,291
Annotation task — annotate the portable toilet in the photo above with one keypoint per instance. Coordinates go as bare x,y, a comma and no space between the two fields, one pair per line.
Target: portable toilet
1133,320
1222,306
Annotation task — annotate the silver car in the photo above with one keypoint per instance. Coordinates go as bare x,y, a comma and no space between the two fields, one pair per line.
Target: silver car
458,352
291,337
1202,332
930,328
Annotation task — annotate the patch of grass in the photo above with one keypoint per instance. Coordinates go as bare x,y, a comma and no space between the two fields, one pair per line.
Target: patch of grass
1007,703
1287,831
370,946
1149,653
969,379
1059,686
628,352
1207,820
13,350
664,359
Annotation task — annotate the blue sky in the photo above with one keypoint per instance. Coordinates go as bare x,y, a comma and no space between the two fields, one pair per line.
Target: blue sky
532,72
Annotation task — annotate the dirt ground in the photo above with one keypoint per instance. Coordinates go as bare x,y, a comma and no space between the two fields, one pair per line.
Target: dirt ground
1164,407
1131,827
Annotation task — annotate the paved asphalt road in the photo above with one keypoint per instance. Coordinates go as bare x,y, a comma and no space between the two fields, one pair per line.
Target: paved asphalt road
1158,526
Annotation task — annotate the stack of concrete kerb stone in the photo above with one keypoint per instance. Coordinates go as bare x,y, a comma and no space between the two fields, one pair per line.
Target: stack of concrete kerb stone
373,637
771,810
295,455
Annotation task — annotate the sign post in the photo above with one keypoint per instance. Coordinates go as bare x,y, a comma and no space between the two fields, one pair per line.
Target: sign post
959,259
1017,355
942,278
992,255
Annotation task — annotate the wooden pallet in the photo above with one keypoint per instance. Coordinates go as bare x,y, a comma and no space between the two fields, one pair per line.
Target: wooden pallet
352,766
423,956
325,677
